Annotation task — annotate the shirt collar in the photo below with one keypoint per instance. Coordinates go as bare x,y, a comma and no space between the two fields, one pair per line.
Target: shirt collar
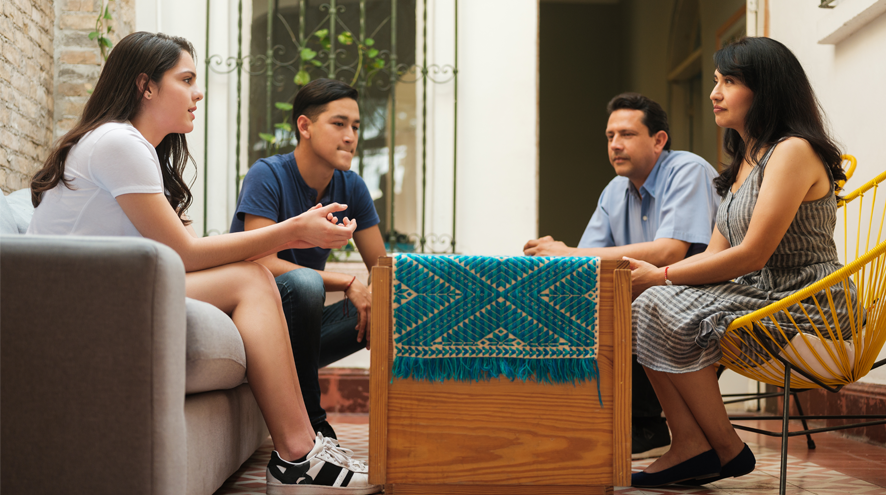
651,184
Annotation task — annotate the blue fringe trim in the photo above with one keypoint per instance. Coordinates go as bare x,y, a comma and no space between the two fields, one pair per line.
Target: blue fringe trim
482,369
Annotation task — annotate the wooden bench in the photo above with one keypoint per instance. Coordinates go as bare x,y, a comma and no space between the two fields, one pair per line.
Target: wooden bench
501,436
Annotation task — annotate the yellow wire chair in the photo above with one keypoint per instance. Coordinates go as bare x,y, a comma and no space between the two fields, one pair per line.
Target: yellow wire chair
758,347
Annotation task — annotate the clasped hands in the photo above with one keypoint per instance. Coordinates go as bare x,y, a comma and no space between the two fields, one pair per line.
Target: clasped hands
318,227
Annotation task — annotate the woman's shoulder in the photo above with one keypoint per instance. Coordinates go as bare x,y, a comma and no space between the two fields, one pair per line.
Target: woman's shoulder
792,152
116,132
117,139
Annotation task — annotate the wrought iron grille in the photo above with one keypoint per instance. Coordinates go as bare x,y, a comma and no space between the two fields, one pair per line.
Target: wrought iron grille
303,40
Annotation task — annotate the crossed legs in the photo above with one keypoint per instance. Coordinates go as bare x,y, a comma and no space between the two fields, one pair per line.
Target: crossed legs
696,415
248,293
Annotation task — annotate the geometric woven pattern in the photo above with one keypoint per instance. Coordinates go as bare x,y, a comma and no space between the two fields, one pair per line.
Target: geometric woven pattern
473,317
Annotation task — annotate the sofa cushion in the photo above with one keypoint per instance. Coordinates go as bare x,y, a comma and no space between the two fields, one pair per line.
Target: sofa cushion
22,208
216,358
7,219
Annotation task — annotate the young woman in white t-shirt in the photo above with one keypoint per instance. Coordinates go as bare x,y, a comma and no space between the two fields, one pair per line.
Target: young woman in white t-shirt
119,172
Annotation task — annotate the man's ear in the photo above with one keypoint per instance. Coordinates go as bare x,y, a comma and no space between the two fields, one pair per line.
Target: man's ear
661,139
303,124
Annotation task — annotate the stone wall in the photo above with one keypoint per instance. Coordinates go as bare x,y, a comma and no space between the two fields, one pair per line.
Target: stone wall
78,60
26,95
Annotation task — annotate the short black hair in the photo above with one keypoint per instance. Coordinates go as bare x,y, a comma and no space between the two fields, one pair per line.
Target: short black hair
311,100
654,117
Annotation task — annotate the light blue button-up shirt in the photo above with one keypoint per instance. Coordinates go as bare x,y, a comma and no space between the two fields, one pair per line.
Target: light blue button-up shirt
677,201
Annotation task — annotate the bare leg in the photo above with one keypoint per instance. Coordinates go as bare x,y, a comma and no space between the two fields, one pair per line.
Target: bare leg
687,437
247,292
699,417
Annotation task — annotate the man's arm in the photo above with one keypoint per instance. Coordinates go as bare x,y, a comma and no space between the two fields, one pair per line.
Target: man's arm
660,252
370,245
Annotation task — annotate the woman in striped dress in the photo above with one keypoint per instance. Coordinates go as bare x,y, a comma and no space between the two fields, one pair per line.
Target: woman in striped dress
774,236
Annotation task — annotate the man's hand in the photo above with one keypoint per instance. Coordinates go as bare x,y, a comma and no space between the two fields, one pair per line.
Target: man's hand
361,298
547,246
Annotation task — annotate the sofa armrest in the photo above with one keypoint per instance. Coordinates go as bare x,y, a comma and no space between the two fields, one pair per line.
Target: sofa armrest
92,362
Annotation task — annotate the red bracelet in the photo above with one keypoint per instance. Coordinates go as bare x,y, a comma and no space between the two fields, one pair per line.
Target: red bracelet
344,308
667,282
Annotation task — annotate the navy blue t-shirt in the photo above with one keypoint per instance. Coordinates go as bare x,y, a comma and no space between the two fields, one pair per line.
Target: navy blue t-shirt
275,189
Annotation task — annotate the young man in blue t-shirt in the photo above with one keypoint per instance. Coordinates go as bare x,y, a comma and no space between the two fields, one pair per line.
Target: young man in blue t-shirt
327,122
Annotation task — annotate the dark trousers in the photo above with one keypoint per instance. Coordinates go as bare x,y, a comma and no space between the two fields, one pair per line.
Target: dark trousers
320,335
645,408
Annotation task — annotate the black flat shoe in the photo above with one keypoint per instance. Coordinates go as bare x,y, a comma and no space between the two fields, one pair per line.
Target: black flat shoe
740,465
704,465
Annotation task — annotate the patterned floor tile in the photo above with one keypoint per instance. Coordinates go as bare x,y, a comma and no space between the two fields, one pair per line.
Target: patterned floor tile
250,478
804,477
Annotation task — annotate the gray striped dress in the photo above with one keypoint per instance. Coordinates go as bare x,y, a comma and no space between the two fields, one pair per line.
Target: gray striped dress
677,329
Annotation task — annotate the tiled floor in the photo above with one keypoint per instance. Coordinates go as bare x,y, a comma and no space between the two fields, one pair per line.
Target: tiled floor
836,466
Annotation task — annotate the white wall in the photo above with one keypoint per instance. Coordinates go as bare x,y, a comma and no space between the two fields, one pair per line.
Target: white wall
498,126
848,78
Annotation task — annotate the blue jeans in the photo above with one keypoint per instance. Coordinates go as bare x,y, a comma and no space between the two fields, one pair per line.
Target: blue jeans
320,335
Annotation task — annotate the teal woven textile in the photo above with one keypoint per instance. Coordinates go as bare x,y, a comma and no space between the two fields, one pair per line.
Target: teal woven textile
476,317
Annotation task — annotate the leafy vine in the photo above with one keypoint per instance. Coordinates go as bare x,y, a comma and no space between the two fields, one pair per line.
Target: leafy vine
102,29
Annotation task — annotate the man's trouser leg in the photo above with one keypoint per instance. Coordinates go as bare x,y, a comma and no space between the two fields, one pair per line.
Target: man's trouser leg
650,430
319,335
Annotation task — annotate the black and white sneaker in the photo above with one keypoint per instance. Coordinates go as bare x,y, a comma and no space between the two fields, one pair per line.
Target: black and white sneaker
327,470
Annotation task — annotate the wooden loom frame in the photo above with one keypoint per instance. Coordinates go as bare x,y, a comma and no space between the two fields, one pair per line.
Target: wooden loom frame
500,436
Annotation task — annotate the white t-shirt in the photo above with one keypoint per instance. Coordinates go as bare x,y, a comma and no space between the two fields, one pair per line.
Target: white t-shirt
113,159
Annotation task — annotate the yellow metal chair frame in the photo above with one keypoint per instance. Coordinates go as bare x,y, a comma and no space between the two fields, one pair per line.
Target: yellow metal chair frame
830,361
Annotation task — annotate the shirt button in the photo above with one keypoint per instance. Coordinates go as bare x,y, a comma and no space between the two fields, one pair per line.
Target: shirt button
645,218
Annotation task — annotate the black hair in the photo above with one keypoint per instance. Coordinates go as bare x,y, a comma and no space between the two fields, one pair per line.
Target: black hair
311,100
654,117
784,105
117,98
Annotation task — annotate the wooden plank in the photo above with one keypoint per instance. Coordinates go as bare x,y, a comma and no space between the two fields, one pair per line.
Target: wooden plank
506,433
622,330
497,490
381,340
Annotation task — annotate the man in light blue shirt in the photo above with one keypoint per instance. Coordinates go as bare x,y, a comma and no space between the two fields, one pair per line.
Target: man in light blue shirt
660,209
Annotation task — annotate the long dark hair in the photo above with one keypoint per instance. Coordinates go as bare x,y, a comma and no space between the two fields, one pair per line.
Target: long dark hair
784,105
117,98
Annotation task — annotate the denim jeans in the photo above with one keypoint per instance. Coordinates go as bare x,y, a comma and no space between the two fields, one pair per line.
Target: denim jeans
319,335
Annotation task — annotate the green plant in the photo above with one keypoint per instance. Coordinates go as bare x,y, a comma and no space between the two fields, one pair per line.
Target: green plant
343,253
368,60
275,144
102,30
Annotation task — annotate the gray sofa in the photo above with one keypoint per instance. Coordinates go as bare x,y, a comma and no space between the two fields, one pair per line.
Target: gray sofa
111,381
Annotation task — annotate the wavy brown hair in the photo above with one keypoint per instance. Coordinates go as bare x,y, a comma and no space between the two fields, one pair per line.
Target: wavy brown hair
117,98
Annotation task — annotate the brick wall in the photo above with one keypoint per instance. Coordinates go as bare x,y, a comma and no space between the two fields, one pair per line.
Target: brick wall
26,95
48,64
77,58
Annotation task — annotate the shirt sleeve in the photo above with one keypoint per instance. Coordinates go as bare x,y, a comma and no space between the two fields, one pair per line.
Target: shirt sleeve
688,205
598,233
361,204
261,194
123,163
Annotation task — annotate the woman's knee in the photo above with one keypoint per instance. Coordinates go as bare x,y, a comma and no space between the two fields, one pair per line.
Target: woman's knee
256,280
